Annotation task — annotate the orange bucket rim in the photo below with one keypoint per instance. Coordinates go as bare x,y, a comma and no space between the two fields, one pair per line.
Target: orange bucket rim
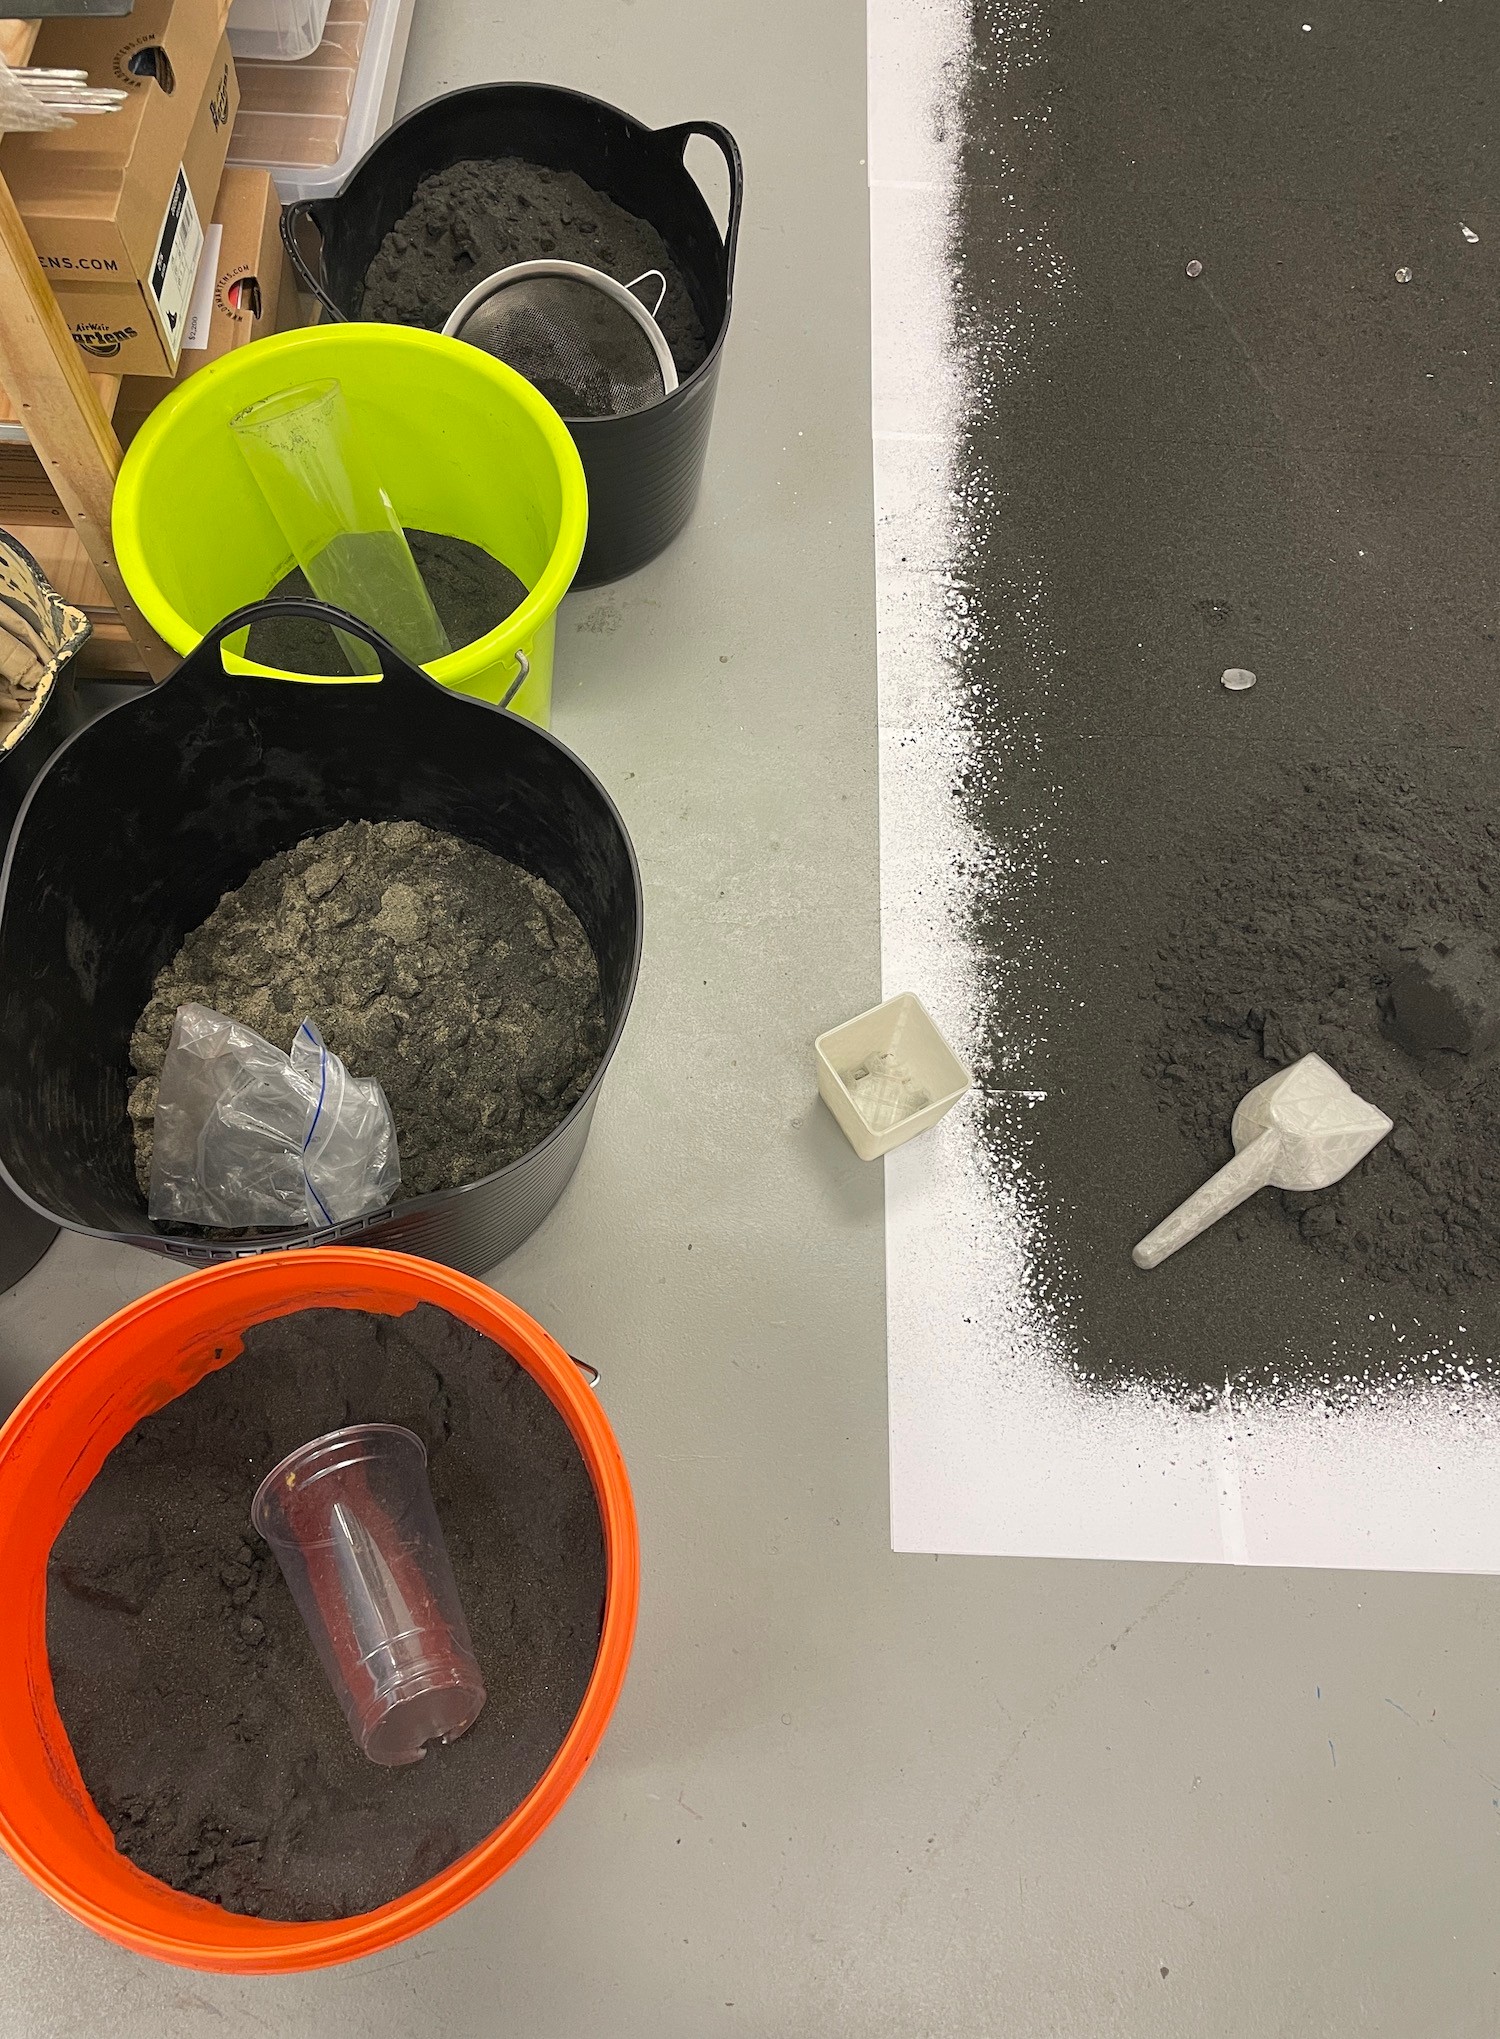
289,1946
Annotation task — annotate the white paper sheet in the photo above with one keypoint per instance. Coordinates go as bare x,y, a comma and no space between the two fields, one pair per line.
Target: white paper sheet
995,1446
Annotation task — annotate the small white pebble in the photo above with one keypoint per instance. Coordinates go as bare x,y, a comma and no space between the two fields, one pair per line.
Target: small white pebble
1236,679
1468,233
1195,268
1403,276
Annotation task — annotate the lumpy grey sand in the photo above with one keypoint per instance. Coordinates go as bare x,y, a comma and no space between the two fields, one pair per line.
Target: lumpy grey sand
465,984
481,215
205,1729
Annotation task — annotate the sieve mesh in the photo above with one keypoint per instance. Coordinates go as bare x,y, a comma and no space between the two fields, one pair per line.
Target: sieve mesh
576,344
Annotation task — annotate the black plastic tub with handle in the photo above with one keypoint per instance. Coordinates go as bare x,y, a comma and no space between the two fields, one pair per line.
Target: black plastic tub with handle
644,470
142,821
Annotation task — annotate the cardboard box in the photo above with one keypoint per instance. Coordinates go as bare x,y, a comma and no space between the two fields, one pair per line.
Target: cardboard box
114,205
136,327
245,290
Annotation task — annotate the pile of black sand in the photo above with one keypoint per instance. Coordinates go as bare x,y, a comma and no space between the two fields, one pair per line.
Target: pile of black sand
470,590
1358,921
460,981
482,215
205,1729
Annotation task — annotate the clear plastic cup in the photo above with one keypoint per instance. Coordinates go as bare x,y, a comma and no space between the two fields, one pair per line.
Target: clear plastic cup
317,474
351,1520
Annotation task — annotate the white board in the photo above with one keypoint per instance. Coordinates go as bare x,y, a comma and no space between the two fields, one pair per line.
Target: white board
996,1447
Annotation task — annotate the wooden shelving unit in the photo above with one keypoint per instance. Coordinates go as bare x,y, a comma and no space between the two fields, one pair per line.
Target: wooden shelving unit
55,492
17,40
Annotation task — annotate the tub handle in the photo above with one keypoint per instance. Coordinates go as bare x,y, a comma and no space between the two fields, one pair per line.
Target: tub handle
206,657
712,131
393,666
590,1373
292,217
299,605
523,670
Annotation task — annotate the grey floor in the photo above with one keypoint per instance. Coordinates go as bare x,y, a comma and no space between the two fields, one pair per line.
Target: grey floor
846,1793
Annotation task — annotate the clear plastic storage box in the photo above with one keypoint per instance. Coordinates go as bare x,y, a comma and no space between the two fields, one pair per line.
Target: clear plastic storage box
309,122
276,31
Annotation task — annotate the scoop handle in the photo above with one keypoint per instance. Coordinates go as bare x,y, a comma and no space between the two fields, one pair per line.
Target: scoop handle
1251,1169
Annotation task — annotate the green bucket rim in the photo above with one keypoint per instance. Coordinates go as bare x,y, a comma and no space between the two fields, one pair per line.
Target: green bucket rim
459,666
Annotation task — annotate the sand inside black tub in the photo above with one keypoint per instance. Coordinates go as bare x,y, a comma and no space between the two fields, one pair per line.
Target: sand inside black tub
204,1727
463,983
480,215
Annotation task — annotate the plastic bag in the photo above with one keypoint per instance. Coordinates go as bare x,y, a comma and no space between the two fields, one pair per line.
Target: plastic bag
247,1136
349,1157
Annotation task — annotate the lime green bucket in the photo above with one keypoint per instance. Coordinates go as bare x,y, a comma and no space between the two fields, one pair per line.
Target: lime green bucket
464,446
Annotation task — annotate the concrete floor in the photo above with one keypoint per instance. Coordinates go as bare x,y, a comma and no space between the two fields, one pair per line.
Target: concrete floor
846,1793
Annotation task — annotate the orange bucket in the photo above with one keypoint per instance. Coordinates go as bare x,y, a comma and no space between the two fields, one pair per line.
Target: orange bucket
141,1358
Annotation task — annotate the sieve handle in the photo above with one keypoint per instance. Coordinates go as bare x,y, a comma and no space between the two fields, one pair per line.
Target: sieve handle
711,130
645,277
292,217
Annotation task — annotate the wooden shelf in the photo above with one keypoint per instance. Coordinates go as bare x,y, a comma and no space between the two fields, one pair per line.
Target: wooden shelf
26,494
55,492
55,547
18,40
106,388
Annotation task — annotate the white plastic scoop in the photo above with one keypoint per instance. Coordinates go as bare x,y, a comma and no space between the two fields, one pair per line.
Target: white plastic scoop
1303,1128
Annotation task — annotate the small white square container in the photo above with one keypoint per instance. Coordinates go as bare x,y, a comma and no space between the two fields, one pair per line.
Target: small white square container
903,1029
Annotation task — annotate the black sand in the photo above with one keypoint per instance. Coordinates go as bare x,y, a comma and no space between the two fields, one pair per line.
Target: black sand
200,1716
1290,464
470,590
1363,939
479,216
460,981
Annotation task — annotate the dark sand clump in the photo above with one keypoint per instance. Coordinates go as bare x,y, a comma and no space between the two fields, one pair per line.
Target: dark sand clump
463,983
1357,922
478,216
204,1727
471,591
